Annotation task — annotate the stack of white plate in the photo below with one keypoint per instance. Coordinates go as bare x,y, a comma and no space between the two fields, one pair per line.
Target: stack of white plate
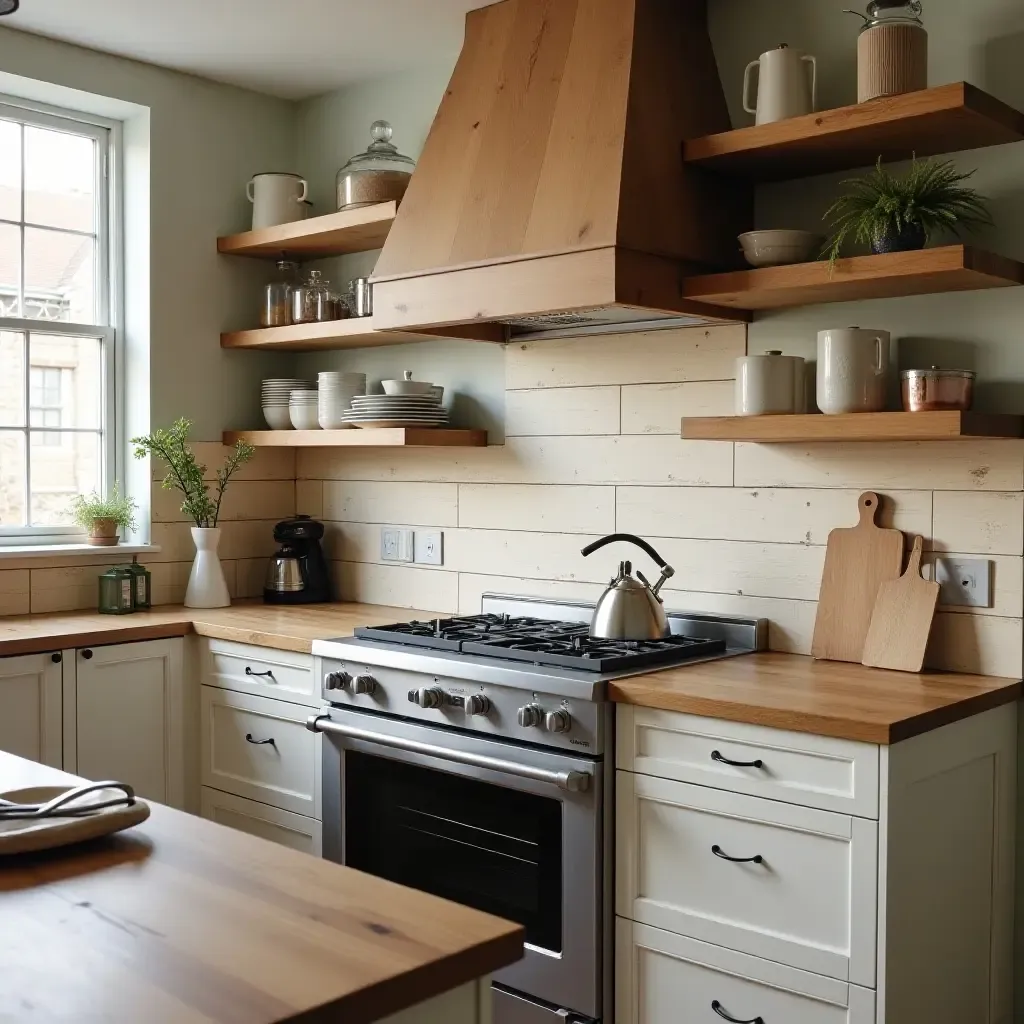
397,411
302,409
276,394
337,390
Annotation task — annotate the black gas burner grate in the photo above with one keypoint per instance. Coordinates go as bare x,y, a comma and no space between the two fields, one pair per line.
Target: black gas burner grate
540,642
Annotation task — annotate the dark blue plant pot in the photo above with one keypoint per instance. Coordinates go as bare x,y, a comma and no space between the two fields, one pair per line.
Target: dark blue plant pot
912,237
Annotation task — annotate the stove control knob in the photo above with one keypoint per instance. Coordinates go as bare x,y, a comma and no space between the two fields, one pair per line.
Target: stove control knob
427,697
477,704
337,681
364,684
557,721
529,716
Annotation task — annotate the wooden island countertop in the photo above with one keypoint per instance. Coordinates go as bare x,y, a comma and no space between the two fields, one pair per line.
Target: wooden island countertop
828,698
182,921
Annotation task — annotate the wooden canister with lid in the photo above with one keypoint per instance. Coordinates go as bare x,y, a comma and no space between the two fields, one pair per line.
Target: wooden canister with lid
892,51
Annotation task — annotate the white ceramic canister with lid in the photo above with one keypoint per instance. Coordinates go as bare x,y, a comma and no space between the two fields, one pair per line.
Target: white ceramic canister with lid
853,370
769,385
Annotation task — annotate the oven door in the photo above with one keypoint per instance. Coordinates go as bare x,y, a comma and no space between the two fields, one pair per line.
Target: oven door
507,829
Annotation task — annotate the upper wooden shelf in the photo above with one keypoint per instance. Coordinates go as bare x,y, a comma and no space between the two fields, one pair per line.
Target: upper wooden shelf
332,234
389,437
946,119
864,426
950,268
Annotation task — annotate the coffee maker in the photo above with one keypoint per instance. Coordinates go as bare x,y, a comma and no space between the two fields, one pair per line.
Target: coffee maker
298,571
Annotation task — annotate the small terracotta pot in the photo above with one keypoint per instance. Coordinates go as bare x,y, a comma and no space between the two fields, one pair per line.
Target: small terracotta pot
103,533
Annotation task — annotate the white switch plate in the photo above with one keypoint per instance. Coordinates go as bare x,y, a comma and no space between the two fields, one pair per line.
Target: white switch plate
396,545
964,581
429,547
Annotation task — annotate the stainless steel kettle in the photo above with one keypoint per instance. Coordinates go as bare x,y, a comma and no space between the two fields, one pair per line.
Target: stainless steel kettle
630,608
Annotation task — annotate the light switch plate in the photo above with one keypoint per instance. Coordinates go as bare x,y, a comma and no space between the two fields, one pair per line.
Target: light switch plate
964,581
396,545
429,547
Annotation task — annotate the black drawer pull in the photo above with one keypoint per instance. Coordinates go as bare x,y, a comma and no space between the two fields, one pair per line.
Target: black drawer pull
56,658
259,743
717,755
719,852
717,1007
250,672
87,654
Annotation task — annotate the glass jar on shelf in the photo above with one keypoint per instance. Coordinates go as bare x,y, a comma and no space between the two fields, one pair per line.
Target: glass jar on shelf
311,300
276,310
379,175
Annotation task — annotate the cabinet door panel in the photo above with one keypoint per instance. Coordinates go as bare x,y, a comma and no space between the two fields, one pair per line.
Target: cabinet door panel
30,708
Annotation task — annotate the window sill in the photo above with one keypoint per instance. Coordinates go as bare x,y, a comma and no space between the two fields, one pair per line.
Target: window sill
21,551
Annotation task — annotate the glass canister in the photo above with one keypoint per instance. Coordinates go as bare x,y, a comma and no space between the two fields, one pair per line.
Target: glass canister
313,301
116,591
142,585
379,175
892,50
276,310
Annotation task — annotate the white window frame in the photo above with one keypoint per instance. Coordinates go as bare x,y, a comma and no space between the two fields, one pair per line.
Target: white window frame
109,309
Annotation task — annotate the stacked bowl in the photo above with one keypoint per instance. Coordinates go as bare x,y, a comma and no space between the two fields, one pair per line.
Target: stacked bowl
337,390
302,409
276,395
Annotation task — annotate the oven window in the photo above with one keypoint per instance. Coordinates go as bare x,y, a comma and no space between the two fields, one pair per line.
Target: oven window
476,843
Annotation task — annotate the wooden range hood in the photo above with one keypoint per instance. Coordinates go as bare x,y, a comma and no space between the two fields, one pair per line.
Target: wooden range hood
551,194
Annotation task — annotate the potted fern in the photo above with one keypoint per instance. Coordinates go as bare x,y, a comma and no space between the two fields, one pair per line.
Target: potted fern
207,587
103,517
900,213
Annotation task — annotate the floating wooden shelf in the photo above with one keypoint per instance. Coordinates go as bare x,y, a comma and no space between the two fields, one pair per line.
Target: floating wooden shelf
950,268
332,234
865,426
947,119
395,437
356,332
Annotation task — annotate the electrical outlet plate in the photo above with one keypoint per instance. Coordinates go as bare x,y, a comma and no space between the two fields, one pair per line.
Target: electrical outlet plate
429,547
965,582
396,545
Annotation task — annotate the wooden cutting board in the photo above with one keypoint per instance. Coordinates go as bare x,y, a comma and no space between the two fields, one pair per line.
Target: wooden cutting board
858,560
902,619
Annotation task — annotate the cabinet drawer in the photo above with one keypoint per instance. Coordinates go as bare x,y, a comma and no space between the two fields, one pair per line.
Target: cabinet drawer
282,827
667,979
810,901
281,675
814,771
285,773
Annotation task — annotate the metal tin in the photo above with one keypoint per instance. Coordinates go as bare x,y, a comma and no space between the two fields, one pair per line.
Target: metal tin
933,389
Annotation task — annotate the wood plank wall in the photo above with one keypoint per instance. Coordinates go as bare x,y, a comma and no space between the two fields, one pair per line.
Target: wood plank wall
593,446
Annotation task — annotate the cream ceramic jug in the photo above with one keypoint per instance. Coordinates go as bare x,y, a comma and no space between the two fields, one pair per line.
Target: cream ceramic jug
277,198
853,370
785,88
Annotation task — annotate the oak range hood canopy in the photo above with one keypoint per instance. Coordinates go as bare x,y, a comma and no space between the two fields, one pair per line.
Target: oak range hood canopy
551,194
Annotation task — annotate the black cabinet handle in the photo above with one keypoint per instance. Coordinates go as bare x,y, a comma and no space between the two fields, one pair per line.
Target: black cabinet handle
56,658
250,672
717,1007
719,852
717,755
87,654
259,743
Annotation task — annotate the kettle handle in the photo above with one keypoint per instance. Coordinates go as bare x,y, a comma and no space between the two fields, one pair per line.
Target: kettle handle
629,538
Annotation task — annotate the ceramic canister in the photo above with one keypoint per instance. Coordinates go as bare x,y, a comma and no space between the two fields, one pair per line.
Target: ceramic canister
277,198
786,86
853,370
769,385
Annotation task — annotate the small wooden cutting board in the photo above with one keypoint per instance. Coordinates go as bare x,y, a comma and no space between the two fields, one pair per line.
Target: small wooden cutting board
902,619
858,560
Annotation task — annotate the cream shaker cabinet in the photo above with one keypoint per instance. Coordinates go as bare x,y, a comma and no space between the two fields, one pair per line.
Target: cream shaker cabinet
30,707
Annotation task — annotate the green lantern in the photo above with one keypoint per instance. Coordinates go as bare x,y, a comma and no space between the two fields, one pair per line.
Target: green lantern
116,586
142,585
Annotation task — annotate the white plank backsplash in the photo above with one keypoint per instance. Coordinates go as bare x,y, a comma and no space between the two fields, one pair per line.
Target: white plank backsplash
561,412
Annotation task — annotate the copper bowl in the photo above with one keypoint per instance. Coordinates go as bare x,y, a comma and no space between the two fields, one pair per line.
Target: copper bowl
933,389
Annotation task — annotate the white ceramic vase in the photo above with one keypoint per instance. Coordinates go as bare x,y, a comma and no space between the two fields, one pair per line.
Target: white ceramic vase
207,587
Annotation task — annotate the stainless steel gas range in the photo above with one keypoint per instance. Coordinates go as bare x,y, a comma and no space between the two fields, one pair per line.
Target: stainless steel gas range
473,758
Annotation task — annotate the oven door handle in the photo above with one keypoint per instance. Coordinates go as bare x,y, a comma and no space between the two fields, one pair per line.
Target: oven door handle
573,782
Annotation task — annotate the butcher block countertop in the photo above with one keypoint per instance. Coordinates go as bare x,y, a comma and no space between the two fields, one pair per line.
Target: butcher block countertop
828,698
182,921
286,628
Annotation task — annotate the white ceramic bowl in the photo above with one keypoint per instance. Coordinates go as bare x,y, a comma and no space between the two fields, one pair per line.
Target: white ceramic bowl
278,417
407,386
778,248
304,417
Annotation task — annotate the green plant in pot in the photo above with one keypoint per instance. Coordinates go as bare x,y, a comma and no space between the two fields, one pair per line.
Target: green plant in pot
207,587
103,517
900,213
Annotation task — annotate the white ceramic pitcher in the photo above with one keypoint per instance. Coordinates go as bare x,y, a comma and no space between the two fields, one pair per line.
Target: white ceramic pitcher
853,370
277,198
784,88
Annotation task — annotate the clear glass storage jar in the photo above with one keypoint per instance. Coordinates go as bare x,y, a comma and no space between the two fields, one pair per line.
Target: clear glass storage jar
379,175
276,310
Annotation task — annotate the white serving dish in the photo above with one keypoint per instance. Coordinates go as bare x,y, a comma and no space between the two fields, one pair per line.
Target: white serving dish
304,417
406,386
278,417
780,247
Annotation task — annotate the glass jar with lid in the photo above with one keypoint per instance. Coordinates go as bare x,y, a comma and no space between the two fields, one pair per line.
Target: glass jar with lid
313,301
379,175
892,50
276,309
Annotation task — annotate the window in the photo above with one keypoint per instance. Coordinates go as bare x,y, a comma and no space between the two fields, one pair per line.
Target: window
57,332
